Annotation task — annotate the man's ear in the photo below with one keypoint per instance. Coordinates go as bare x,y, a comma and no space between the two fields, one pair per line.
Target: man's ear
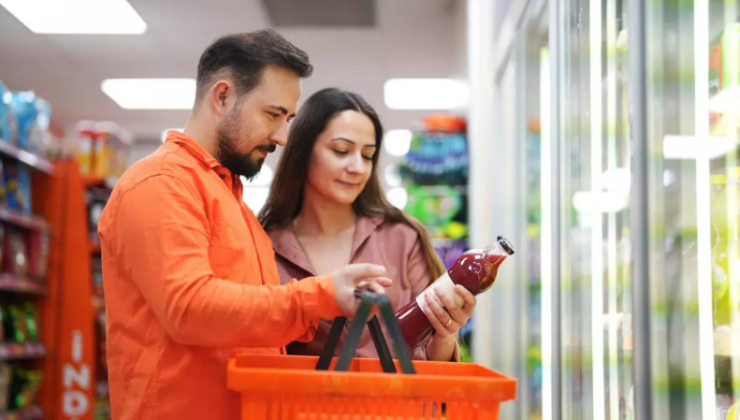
222,94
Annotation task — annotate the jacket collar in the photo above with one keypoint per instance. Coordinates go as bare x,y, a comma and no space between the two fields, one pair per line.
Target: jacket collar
286,244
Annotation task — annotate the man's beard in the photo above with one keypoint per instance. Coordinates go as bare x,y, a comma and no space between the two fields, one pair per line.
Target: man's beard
228,135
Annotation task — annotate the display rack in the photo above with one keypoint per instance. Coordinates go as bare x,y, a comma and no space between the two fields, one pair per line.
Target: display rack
434,174
18,288
66,311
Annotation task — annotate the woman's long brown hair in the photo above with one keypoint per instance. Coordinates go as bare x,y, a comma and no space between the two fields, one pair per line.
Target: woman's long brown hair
285,200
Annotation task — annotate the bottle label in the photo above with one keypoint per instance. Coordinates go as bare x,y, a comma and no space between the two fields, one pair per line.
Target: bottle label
442,286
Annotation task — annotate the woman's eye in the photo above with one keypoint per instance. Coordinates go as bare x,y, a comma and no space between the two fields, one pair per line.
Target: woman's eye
369,158
273,115
340,152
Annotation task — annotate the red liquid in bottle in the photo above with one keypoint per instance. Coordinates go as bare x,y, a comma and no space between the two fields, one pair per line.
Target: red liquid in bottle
476,270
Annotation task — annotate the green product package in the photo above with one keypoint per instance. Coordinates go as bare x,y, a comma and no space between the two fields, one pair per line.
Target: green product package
31,323
25,386
18,327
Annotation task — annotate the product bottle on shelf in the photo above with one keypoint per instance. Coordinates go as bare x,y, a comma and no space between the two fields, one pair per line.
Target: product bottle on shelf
476,270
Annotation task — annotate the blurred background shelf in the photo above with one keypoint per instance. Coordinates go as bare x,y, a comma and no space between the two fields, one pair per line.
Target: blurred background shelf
15,283
29,159
19,351
32,413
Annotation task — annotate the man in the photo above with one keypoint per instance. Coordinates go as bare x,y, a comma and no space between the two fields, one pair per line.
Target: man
190,276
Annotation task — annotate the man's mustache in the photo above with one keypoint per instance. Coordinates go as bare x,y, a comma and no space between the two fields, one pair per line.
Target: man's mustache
267,147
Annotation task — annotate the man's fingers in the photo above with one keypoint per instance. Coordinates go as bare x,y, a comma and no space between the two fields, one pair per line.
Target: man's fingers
385,281
376,288
382,281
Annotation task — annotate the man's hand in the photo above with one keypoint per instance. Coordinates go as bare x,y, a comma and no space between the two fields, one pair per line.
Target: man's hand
357,276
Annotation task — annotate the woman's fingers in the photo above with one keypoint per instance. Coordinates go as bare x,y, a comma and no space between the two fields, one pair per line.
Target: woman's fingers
454,311
438,316
468,299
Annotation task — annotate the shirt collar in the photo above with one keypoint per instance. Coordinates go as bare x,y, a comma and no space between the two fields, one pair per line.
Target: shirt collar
285,243
193,147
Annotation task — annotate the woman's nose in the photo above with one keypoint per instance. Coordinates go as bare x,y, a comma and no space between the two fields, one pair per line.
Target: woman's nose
357,165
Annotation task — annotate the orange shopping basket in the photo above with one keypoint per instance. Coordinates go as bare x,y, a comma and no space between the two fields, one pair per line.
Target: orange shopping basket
343,388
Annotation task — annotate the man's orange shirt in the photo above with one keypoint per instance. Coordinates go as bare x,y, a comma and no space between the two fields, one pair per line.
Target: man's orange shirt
190,277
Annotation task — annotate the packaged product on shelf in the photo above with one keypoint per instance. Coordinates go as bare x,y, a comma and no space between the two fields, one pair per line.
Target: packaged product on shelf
16,253
15,323
4,331
96,201
8,123
24,387
40,139
17,181
31,319
6,378
26,113
38,254
3,190
97,276
85,144
122,152
2,245
103,145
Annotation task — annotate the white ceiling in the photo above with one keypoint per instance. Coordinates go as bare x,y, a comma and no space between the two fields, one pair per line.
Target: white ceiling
413,38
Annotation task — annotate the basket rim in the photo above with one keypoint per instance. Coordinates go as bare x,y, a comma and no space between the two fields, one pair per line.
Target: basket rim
276,381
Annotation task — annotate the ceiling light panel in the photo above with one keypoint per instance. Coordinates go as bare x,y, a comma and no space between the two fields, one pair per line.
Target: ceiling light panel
151,93
83,17
425,94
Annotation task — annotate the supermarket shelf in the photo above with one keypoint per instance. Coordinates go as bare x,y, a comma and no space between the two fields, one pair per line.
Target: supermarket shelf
15,351
23,220
32,413
28,158
13,283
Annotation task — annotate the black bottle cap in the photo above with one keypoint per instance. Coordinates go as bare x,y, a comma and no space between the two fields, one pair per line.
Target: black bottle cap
505,244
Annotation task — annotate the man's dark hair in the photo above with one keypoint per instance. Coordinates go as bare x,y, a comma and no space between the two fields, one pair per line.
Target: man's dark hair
243,58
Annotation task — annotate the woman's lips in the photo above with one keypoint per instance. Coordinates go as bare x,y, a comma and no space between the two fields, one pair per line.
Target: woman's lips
347,184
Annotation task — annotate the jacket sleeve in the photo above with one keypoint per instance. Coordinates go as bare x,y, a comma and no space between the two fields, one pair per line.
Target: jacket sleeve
164,248
419,278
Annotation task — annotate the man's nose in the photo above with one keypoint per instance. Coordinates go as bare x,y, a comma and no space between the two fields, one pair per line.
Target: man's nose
280,136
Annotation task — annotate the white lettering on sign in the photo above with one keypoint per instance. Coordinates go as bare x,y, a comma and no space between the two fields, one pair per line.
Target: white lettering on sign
77,346
75,404
76,377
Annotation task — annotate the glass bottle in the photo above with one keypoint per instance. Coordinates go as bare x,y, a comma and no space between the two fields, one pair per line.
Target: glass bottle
476,270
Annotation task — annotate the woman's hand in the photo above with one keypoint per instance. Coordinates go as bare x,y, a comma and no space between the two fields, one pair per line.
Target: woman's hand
445,314
447,322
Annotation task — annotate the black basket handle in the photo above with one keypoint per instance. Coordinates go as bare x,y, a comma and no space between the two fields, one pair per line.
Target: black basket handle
367,301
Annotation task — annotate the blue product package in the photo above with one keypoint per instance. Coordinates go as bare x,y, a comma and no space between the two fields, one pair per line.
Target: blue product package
39,132
17,187
8,126
24,107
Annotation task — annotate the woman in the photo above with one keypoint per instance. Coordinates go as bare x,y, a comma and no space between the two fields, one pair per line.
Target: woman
326,209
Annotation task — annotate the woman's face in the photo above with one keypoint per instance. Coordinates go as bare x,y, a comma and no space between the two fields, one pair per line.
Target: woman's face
341,161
